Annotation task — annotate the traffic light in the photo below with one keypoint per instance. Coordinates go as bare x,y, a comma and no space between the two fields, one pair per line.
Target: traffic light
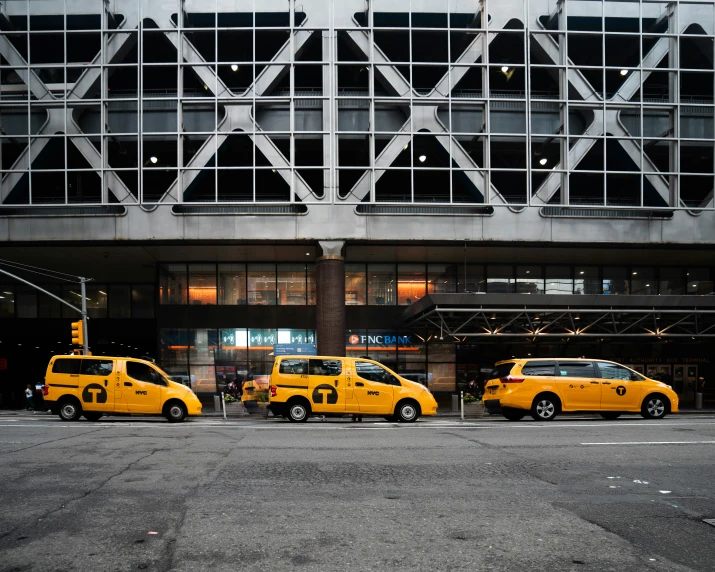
78,333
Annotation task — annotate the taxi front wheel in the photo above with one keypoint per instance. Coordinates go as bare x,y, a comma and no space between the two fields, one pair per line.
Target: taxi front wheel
654,407
545,407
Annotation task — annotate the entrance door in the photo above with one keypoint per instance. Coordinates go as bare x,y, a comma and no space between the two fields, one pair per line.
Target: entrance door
620,389
326,385
95,389
142,387
374,388
578,385
691,383
679,380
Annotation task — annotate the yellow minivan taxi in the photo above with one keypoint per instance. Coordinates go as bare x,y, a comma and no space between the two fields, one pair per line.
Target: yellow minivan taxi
301,386
546,387
94,386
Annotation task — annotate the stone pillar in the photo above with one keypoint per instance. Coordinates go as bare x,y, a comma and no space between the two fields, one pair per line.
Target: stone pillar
330,309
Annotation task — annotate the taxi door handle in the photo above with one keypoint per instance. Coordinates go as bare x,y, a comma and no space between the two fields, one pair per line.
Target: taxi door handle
336,383
594,382
359,384
606,383
127,383
105,383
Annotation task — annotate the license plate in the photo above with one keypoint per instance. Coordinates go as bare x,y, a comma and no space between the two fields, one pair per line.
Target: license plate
492,390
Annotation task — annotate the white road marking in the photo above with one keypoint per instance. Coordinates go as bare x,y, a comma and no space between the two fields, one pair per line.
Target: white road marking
655,443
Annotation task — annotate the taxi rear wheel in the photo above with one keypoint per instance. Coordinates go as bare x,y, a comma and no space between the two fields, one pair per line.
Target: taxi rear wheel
545,407
298,411
513,414
654,407
70,410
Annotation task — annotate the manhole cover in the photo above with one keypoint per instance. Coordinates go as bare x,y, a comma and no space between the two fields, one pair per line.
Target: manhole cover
710,521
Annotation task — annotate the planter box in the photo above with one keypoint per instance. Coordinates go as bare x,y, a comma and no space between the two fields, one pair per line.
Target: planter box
473,410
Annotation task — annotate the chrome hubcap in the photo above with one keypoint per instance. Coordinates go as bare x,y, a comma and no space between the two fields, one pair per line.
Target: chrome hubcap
175,411
545,409
297,412
68,410
408,412
656,407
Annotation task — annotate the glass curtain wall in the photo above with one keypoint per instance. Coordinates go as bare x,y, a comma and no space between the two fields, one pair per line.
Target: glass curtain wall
580,103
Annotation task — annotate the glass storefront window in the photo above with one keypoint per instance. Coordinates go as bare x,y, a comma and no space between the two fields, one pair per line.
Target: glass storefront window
699,281
233,345
311,275
410,283
356,343
643,281
203,378
475,280
232,284
355,284
672,281
382,347
143,301
529,280
285,336
202,284
291,285
173,347
261,284
71,293
7,301
96,300
48,307
615,280
26,300
260,345
381,284
500,279
119,301
559,280
586,280
203,344
173,283
441,278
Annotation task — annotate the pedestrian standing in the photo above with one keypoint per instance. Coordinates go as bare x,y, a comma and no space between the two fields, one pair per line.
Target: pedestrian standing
29,402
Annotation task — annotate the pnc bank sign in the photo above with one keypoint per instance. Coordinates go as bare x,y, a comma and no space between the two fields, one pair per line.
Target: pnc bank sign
379,340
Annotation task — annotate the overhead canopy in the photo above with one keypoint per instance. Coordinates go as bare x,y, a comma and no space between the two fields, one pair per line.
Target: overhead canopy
534,316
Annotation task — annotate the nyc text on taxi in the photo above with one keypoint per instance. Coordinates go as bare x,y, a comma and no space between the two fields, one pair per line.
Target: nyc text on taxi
545,387
301,386
92,386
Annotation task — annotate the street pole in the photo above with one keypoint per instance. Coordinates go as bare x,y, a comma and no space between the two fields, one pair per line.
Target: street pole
84,315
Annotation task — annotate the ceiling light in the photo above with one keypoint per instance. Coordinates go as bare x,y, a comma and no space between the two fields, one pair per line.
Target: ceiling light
307,253
581,272
494,317
153,159
528,271
102,292
505,69
423,158
543,161
635,273
624,72
406,146
234,67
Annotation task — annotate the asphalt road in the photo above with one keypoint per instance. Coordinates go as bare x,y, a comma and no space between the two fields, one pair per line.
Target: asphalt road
142,494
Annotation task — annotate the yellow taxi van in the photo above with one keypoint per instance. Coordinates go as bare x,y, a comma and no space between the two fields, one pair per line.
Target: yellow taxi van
301,386
78,386
546,387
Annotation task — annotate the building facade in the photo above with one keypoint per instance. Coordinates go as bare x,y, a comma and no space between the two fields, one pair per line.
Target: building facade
218,166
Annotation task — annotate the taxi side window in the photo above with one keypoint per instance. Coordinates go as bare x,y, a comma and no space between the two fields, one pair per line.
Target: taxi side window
96,367
66,366
613,371
373,372
294,366
576,369
326,367
142,372
538,368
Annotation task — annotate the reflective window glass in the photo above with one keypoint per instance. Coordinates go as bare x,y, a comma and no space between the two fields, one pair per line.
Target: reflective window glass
576,369
410,283
699,281
643,281
202,284
500,279
355,280
441,278
261,284
232,284
291,285
70,366
559,280
96,367
26,301
381,284
613,371
294,367
143,301
173,284
529,280
473,280
615,280
373,372
538,368
586,280
119,300
672,281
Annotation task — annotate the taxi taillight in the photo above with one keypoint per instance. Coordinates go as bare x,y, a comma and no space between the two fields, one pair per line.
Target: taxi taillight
274,390
45,390
511,379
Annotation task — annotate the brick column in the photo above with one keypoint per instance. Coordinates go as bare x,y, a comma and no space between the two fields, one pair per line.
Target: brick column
330,309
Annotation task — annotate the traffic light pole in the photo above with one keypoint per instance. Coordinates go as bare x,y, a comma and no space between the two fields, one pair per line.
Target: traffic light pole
84,315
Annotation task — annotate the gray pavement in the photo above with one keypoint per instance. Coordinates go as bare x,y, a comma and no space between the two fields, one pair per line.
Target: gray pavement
580,493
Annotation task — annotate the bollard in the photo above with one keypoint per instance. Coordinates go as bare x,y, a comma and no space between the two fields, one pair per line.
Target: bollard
217,404
461,404
223,404
698,400
455,403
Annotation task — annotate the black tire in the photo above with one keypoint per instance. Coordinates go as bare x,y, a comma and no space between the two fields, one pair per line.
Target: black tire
298,411
69,409
175,412
655,406
407,411
545,407
391,418
513,414
92,416
610,415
